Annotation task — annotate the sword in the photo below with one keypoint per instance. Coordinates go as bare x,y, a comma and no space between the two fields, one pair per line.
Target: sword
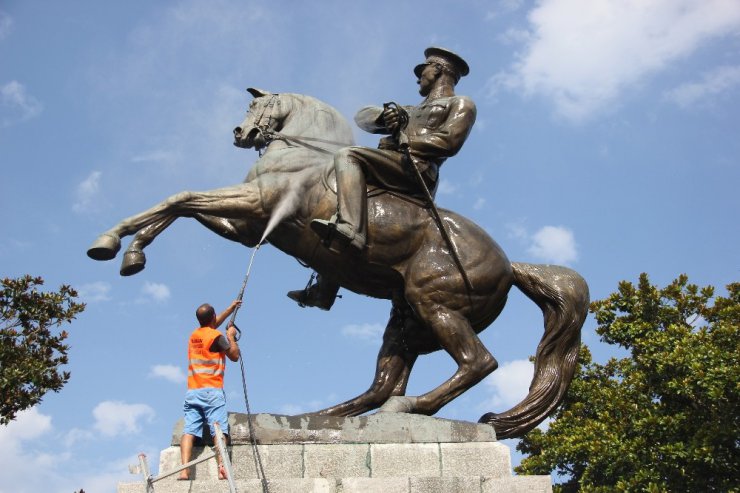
404,145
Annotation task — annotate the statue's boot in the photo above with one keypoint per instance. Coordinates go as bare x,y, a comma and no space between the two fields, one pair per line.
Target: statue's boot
338,235
314,296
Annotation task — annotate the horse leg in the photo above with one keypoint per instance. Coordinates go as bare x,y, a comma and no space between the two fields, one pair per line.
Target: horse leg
392,372
456,336
134,258
234,202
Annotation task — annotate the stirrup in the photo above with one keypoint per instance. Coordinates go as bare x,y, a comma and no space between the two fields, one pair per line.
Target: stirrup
312,296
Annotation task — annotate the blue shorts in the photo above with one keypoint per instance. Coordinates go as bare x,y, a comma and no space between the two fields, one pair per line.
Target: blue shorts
205,406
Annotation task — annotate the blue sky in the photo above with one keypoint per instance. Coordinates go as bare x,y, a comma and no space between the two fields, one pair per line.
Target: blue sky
606,140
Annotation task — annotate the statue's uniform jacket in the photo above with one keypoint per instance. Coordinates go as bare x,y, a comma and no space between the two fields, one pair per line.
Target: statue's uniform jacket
436,130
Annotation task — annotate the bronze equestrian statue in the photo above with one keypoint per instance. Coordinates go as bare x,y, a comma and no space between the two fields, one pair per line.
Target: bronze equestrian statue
446,278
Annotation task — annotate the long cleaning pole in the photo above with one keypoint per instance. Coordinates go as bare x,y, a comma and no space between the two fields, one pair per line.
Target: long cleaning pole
253,439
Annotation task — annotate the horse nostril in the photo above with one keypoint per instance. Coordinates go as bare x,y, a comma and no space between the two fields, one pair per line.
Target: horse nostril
238,131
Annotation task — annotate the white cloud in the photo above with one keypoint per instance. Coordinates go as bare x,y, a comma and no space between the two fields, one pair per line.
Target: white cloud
516,231
292,409
76,435
155,156
157,291
712,84
16,105
364,332
479,204
28,425
28,466
446,187
583,54
554,244
87,191
113,418
6,24
94,291
502,7
172,373
509,384
20,454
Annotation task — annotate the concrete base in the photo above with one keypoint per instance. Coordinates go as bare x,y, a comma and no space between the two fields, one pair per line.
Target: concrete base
346,455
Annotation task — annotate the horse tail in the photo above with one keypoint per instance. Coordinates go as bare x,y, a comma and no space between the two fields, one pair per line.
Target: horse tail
563,296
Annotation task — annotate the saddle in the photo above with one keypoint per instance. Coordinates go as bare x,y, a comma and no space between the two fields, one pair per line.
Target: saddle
418,199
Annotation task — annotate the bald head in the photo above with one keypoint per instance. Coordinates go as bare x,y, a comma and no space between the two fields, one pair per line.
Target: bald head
205,314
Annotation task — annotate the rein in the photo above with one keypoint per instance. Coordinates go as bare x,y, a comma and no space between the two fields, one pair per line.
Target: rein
271,135
304,141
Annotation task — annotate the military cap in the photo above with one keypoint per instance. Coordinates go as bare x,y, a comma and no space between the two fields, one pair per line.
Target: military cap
446,59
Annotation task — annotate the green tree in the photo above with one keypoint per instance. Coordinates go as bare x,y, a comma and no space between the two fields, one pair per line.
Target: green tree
30,354
665,418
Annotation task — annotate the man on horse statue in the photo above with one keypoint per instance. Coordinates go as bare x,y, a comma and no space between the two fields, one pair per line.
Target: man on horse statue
442,297
420,138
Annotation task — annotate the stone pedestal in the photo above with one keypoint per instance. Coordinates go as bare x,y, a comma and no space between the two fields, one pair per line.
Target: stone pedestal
383,453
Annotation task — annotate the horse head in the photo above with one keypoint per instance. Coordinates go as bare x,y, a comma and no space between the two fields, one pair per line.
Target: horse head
265,115
280,116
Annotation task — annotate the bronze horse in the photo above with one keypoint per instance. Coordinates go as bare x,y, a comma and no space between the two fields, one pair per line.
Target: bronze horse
406,261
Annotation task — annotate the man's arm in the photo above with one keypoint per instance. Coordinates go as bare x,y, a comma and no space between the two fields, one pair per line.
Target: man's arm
233,352
371,119
227,344
368,119
233,306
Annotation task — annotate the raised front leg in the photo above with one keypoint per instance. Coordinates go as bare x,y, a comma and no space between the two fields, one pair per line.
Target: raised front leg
134,259
394,366
236,202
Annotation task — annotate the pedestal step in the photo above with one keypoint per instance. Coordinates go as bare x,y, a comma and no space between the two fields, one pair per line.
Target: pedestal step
362,460
517,484
380,453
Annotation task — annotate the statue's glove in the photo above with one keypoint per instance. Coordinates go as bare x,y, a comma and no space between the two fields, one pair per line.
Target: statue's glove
394,117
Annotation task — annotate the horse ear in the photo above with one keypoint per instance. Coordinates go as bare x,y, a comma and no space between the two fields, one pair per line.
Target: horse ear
257,93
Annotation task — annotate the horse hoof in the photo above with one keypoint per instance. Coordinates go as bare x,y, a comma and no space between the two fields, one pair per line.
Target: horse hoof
105,247
399,404
133,262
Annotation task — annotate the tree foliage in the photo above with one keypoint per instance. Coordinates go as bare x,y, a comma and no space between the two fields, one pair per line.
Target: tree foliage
665,418
30,354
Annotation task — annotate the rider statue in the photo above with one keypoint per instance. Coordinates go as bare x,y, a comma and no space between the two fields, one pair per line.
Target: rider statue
420,138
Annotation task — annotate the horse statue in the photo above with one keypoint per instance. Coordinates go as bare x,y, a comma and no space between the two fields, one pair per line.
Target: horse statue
406,261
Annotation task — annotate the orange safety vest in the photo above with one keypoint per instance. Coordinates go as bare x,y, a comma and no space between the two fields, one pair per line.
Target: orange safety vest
205,368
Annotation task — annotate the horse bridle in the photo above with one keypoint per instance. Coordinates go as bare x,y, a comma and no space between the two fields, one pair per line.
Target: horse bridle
271,135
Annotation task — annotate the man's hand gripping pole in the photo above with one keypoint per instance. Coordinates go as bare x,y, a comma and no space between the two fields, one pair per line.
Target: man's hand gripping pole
241,293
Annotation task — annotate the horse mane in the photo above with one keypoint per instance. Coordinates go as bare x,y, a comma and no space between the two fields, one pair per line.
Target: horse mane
311,117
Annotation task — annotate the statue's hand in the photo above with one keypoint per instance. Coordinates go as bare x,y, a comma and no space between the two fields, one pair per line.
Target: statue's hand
394,118
391,118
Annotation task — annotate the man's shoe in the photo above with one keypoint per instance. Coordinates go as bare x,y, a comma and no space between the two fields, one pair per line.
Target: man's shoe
335,234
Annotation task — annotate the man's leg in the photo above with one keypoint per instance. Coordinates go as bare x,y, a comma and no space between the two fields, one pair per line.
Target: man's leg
355,166
194,421
349,227
216,413
186,450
